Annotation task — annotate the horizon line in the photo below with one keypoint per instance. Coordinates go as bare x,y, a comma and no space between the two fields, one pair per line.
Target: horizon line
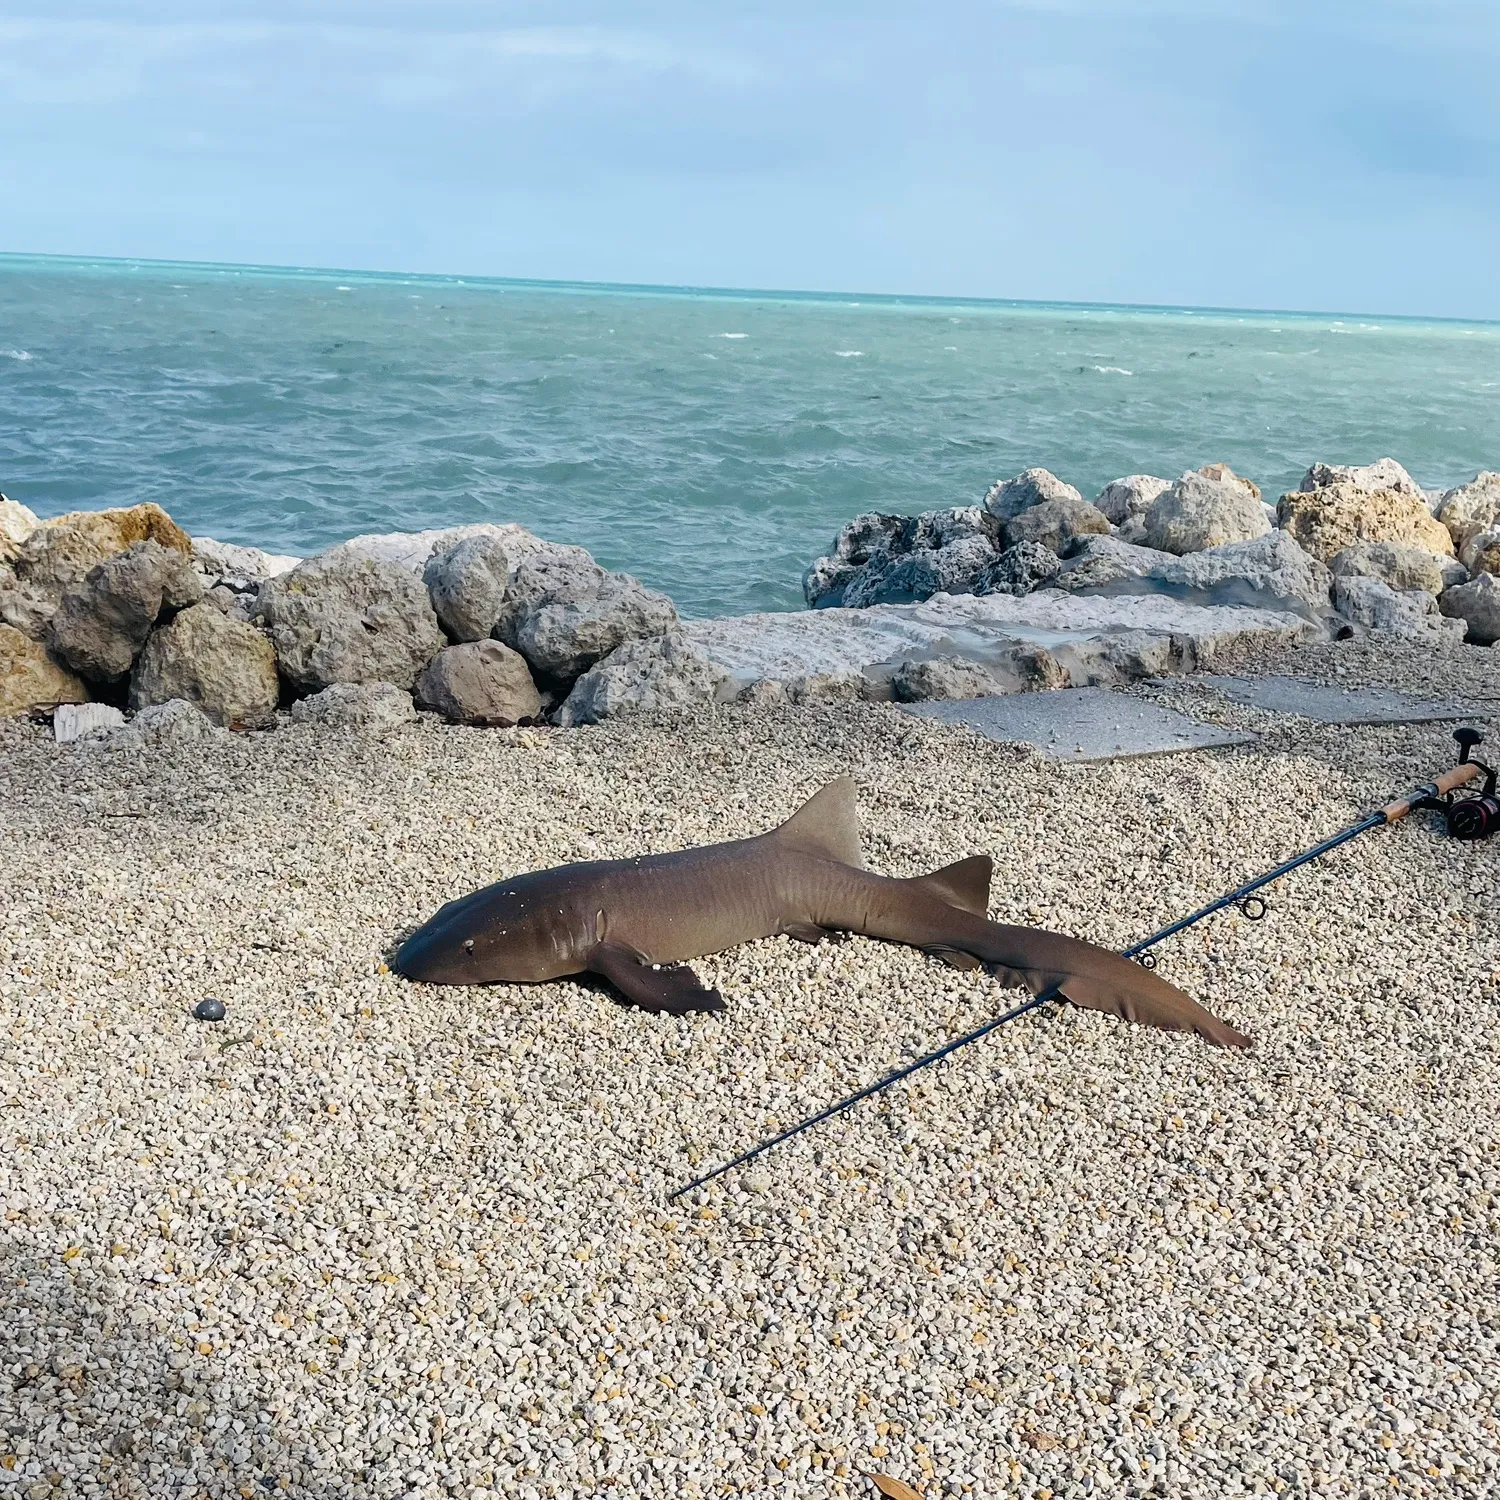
666,289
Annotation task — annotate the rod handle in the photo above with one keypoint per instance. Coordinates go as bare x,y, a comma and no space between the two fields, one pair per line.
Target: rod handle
1449,781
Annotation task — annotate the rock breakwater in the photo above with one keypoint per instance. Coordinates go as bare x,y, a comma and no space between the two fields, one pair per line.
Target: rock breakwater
489,624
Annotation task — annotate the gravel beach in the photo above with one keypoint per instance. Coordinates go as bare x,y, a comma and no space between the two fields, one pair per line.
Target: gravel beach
367,1238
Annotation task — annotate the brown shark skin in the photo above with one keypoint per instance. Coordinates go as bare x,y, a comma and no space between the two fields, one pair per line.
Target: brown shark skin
606,916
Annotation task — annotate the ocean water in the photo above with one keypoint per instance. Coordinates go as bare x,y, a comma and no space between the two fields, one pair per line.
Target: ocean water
711,443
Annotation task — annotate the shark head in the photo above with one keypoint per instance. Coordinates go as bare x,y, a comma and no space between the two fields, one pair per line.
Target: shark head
500,933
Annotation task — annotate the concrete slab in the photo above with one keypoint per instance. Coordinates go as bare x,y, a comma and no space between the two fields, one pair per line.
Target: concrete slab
800,643
1333,705
1081,724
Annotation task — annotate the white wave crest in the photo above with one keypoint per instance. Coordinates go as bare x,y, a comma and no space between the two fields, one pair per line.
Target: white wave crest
14,354
850,353
1113,370
734,335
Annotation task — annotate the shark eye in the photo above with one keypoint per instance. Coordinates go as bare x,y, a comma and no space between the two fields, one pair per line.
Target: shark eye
468,945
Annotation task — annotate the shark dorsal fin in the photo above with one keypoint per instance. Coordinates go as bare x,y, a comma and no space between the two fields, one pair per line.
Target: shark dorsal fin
964,884
826,825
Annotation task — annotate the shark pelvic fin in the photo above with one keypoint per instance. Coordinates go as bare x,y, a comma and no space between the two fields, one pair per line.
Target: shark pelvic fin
964,884
825,826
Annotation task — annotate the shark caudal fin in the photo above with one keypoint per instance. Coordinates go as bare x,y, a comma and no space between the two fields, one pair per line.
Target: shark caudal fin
1150,1002
964,884
826,826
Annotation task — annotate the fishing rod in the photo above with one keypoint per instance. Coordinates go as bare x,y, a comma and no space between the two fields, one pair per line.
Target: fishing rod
1472,815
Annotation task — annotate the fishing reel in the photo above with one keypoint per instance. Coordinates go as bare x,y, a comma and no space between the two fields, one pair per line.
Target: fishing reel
1467,814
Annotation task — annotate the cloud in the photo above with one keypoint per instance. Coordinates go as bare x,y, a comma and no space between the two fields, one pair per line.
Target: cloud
1149,150
69,62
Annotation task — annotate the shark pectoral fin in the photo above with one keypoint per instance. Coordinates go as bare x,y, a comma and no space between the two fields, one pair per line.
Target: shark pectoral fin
675,991
955,958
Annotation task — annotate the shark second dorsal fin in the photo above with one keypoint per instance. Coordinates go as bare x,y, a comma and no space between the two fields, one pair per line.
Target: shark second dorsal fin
826,825
965,884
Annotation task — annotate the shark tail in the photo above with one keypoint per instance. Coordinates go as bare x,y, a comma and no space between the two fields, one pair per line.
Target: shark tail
1097,979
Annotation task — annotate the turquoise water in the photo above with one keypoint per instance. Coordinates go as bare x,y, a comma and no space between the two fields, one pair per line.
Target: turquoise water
711,443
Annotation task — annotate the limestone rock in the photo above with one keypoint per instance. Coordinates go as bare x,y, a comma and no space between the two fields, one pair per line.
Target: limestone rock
1103,562
1017,668
339,617
864,537
222,666
241,570
813,689
1326,521
652,675
59,554
1127,656
1200,512
1270,570
26,605
1400,568
952,569
1018,570
1377,606
1007,498
785,646
479,682
1383,474
17,523
563,617
1223,474
1121,499
102,621
904,558
76,721
943,677
936,529
1024,667
1477,604
177,722
1470,508
229,601
1056,524
764,691
30,677
374,706
411,549
1481,554
467,582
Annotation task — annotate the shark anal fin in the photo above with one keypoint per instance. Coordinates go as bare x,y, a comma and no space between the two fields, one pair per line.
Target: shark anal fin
807,932
674,991
964,884
955,958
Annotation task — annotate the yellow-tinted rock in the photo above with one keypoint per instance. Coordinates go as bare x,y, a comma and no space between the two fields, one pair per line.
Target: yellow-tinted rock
16,524
1481,553
1326,521
1225,475
30,678
61,551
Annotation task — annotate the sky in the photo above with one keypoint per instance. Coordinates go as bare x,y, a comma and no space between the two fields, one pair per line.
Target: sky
1318,154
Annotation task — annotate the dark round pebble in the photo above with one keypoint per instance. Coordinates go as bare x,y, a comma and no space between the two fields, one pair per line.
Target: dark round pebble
211,1009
